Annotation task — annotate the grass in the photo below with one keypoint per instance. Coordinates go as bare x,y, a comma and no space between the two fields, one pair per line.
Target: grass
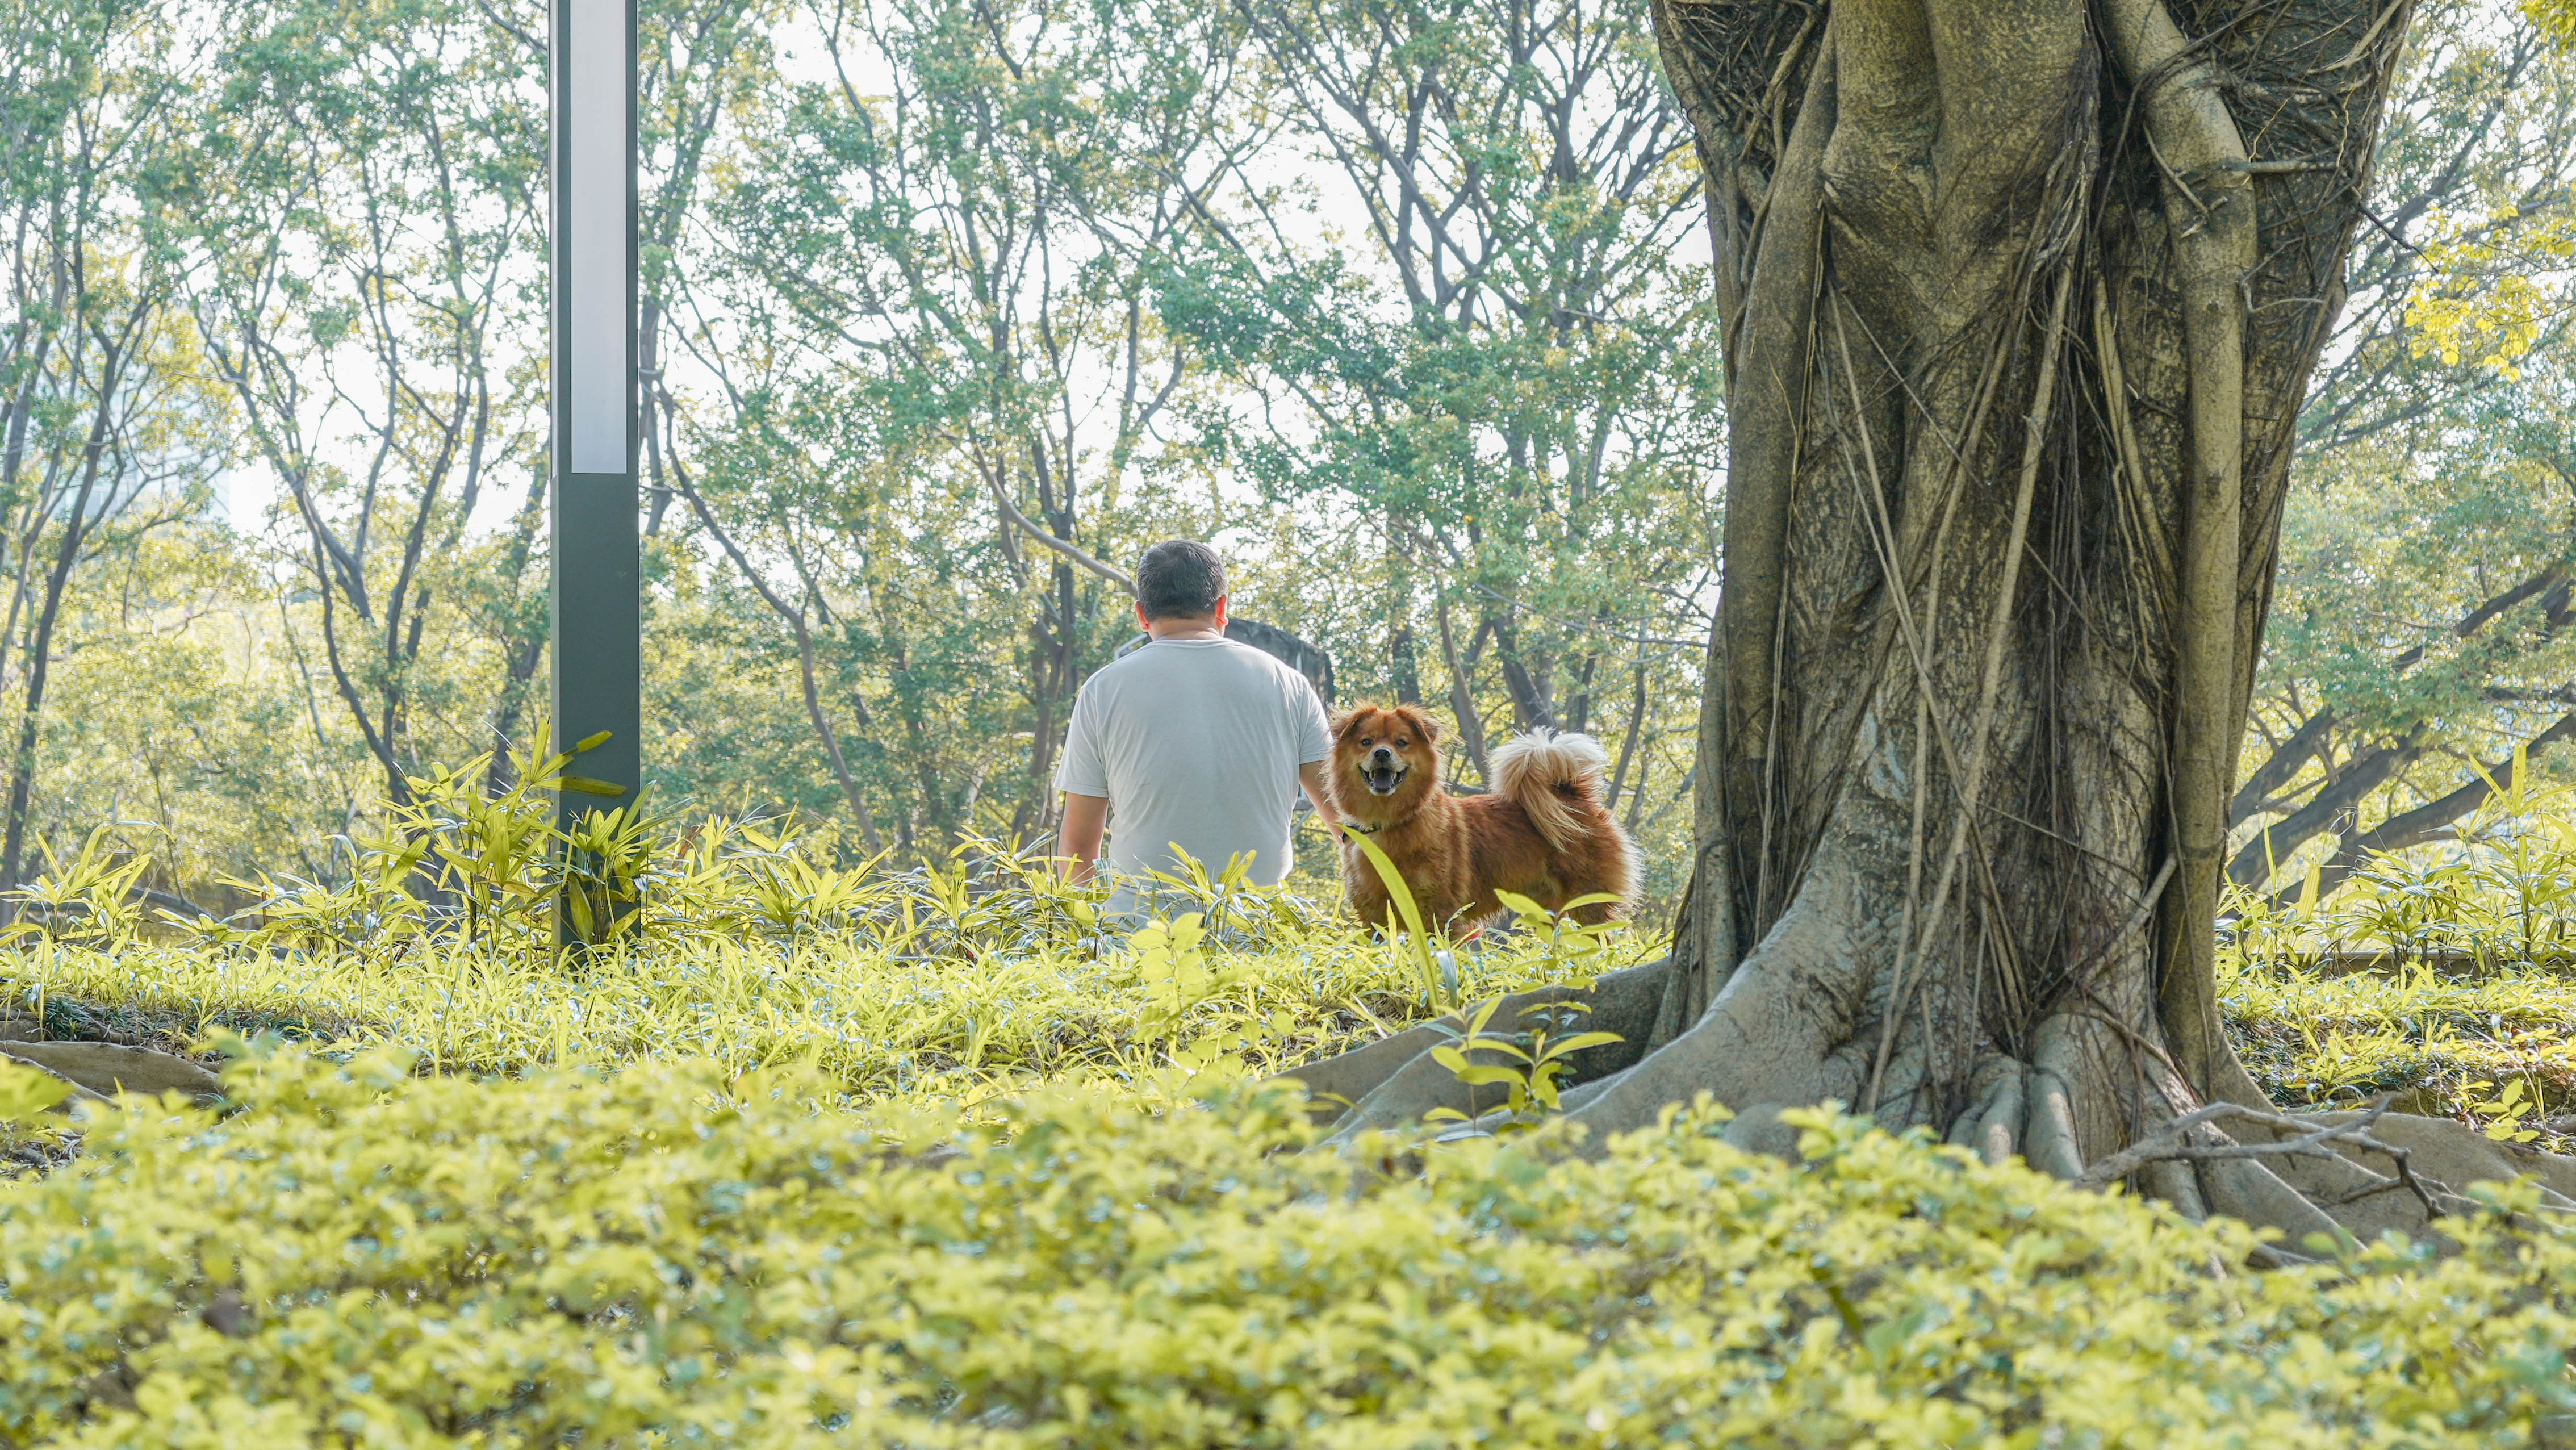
886,1023
749,944
880,1022
741,943
968,1020
968,1023
2447,1046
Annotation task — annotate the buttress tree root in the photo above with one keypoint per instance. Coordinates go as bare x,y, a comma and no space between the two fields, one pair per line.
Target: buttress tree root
2020,299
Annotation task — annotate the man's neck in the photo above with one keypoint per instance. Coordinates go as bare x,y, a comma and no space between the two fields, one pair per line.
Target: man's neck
1184,629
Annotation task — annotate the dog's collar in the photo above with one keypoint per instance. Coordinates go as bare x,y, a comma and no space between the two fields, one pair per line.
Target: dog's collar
1363,830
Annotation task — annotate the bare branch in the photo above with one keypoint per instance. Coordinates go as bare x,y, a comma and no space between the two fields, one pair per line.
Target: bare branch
1066,547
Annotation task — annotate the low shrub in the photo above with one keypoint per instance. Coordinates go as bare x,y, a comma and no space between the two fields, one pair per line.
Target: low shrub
672,1255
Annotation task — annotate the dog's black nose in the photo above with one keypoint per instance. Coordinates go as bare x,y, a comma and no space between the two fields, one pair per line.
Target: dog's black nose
1381,754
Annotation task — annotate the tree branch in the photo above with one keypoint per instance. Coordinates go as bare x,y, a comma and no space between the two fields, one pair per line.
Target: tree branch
1066,547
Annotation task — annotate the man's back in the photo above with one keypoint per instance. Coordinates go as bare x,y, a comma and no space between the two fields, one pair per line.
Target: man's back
1197,743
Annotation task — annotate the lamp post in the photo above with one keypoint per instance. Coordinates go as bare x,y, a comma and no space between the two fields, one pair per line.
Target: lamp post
595,601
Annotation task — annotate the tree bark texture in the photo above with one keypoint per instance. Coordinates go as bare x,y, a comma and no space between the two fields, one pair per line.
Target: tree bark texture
2021,298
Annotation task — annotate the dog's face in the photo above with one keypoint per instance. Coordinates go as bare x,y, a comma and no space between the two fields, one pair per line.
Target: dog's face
1381,751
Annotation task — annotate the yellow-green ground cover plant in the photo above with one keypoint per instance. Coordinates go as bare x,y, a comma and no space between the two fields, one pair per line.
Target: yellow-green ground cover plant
668,1255
818,1151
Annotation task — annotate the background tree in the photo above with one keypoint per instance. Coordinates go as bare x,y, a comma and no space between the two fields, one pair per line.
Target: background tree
1478,344
365,197
2420,633
106,433
924,318
1397,275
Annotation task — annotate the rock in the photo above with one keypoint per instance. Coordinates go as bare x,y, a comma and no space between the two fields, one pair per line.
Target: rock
21,1029
105,1068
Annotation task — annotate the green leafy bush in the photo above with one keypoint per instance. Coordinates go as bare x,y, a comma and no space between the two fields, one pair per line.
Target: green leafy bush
672,1257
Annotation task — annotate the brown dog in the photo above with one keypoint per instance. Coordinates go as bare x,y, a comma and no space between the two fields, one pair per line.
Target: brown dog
1545,832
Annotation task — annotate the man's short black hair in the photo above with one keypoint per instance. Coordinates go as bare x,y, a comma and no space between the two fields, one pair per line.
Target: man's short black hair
1179,578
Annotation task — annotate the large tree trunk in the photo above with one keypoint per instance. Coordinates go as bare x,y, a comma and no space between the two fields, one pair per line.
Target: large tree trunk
2021,300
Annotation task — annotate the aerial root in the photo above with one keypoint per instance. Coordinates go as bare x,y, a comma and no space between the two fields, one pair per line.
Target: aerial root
2194,1138
2048,1126
2177,1183
1991,1127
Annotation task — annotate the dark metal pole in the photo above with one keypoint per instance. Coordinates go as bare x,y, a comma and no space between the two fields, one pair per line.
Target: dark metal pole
595,596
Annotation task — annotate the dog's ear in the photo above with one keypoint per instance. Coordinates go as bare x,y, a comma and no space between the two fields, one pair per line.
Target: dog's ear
1349,720
1423,725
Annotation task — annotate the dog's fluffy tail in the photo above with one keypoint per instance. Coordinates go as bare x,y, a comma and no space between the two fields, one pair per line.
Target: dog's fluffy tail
1547,772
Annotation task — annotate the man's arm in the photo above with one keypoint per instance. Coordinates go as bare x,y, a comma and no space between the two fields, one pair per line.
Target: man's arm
1078,839
1311,776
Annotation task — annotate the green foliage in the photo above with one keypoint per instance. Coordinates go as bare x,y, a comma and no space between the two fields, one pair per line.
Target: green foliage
360,1256
88,898
1404,919
2553,18
2434,973
2434,454
859,1155
2498,894
26,1092
925,990
1533,1060
957,260
2342,1040
1534,1057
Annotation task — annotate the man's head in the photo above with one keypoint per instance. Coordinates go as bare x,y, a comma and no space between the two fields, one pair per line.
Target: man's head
1180,581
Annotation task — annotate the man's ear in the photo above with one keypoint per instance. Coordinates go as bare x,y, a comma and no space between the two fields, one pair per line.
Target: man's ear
1423,725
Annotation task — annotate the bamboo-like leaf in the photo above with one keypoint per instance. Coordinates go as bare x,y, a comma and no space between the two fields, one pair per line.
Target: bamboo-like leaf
1578,1042
1401,896
1484,1014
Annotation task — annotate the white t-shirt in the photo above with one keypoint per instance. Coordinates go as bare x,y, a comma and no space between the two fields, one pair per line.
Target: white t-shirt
1197,743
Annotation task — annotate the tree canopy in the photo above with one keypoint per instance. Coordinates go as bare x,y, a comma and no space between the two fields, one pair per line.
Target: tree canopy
1407,306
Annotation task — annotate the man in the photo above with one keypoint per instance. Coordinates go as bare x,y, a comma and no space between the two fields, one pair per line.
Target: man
1193,741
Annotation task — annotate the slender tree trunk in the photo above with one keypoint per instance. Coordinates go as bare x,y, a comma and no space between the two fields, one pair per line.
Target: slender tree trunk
1402,657
1628,745
40,641
1533,707
523,641
795,620
1462,696
2017,329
